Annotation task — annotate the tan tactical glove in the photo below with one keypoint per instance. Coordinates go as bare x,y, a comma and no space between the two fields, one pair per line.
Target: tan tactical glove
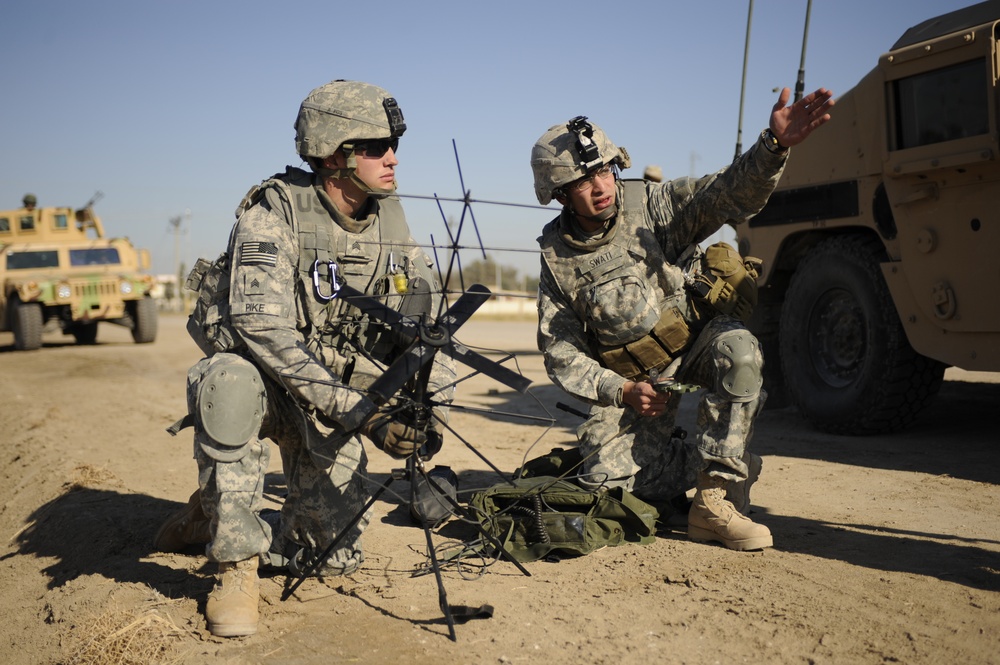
393,436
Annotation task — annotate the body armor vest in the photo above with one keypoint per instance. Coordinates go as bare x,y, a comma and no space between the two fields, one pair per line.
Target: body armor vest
624,289
330,254
327,256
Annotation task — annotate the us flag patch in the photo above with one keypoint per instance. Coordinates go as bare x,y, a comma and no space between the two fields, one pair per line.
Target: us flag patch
258,254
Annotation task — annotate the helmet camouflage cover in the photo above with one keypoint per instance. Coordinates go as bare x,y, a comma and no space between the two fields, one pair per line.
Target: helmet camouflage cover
568,152
29,200
345,111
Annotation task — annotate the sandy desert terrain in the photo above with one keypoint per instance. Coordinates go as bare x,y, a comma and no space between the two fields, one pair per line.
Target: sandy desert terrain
887,549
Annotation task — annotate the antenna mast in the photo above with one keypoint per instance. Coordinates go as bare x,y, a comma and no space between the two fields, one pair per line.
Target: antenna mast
743,87
800,82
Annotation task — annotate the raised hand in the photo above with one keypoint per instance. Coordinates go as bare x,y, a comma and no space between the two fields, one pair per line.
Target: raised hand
792,124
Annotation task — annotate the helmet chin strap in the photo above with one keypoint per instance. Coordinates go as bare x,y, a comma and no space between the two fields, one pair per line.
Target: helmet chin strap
350,173
602,217
364,187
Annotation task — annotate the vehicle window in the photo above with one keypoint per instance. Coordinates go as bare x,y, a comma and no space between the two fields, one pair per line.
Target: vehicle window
101,256
942,105
47,258
4,225
61,222
28,223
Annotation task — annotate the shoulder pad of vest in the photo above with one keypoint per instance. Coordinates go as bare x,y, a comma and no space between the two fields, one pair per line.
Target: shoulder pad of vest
295,175
548,231
393,219
250,199
389,204
634,191
292,174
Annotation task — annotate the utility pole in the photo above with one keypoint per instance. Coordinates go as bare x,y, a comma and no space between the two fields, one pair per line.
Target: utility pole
176,223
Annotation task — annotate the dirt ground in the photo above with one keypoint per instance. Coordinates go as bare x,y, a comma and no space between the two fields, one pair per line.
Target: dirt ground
887,549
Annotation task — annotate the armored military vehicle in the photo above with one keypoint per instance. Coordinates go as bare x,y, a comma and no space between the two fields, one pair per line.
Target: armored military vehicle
881,245
58,271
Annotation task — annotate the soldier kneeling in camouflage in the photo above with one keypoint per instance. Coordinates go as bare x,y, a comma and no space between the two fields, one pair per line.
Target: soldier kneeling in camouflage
630,310
289,361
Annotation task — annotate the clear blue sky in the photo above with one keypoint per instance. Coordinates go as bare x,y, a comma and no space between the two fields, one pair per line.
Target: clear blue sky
178,106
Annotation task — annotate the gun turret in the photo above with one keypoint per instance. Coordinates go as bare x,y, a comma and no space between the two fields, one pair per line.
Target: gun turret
85,217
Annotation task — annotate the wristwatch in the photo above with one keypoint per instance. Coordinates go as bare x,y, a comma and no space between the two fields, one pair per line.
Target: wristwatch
771,142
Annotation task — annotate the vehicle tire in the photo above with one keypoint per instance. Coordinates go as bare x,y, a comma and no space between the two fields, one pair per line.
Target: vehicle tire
85,333
844,354
27,323
144,320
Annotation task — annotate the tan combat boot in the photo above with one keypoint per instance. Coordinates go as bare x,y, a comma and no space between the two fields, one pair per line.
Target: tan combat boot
713,518
738,493
231,609
187,526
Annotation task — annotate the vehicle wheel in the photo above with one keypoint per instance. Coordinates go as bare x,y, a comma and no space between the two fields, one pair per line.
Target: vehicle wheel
844,354
144,320
85,333
27,325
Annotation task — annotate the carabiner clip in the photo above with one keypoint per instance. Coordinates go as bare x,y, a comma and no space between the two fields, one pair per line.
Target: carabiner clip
331,268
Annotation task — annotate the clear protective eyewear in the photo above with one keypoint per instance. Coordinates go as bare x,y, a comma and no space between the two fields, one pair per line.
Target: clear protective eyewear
586,183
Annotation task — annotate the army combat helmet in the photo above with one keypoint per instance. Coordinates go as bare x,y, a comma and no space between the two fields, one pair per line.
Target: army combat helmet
569,151
339,115
29,201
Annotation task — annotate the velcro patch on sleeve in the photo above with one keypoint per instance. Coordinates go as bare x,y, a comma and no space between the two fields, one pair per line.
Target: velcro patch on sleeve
258,254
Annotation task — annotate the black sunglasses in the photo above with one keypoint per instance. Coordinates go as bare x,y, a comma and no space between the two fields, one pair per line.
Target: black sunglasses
376,147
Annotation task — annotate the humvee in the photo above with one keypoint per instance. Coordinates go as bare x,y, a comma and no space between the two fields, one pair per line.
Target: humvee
55,275
881,243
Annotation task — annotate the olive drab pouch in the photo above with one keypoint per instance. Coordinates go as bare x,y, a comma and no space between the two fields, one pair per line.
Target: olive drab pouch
559,462
651,353
544,516
725,281
209,323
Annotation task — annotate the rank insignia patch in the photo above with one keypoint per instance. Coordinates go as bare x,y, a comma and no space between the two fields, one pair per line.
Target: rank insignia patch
258,254
252,285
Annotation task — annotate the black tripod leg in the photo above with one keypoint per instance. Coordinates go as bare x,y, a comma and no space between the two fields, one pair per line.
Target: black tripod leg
435,566
311,568
470,516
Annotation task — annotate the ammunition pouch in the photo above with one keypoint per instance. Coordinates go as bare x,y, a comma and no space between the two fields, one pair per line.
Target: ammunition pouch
209,323
652,352
415,304
726,282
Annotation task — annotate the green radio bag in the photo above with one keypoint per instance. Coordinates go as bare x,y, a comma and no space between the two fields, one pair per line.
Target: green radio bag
544,516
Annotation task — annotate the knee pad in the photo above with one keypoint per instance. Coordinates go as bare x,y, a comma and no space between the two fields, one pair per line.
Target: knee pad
743,381
229,404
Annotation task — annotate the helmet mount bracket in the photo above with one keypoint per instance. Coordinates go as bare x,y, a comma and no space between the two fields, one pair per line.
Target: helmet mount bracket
590,154
395,116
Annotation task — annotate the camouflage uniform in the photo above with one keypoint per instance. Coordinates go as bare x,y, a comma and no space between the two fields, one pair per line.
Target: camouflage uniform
620,447
284,328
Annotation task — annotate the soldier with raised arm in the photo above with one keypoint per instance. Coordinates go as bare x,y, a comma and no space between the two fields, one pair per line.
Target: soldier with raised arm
631,310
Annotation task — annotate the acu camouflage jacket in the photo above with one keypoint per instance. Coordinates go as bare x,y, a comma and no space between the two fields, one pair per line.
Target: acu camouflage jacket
613,290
